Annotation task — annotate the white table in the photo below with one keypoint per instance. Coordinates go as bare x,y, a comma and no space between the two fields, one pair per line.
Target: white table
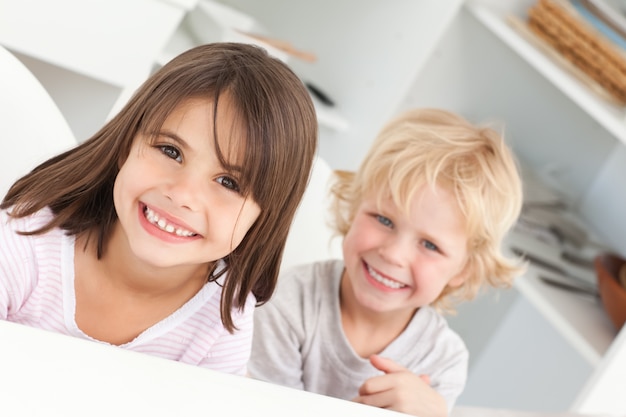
49,374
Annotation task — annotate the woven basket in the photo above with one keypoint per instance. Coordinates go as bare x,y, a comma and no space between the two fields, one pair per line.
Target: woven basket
557,23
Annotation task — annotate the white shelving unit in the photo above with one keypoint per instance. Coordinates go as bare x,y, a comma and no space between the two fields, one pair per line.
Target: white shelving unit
183,39
611,117
579,319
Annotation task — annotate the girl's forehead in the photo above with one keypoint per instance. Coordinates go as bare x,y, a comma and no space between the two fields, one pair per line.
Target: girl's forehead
222,123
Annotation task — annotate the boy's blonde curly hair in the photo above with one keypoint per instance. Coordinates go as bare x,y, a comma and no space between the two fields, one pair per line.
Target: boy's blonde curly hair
432,146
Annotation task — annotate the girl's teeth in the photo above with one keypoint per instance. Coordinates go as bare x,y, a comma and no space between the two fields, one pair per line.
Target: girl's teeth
154,219
385,281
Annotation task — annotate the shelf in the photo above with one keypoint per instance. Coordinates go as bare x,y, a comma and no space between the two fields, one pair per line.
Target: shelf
579,318
182,40
611,117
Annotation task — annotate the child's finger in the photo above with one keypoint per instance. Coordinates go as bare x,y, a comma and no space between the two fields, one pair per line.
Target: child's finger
385,364
392,380
376,384
388,366
381,399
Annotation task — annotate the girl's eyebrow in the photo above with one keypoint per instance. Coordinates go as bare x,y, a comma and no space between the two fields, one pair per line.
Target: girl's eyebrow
184,145
180,141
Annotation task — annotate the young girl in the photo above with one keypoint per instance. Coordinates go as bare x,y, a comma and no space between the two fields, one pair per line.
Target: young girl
422,223
160,232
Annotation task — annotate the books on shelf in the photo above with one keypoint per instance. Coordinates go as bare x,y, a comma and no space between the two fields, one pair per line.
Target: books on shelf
573,33
606,20
611,12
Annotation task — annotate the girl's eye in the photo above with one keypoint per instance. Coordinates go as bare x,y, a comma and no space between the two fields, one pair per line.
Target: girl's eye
229,183
430,246
385,221
171,152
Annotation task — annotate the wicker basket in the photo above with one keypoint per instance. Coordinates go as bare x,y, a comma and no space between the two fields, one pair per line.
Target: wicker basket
558,24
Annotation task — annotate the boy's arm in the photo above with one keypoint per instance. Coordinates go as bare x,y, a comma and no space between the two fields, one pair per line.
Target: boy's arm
276,346
401,390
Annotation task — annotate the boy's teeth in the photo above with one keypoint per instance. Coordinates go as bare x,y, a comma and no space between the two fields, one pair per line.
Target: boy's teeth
154,219
385,281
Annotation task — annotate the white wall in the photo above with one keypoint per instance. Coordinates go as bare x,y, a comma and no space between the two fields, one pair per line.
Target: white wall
605,203
526,366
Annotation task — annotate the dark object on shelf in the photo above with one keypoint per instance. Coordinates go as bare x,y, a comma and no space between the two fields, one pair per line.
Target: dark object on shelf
569,287
577,260
319,94
612,293
551,267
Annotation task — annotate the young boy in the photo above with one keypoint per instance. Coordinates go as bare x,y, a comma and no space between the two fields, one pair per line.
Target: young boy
422,222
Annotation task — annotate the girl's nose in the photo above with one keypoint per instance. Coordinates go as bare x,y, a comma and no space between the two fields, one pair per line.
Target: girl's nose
185,190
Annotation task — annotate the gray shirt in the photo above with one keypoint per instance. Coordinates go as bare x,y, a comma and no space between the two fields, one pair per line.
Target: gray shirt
299,341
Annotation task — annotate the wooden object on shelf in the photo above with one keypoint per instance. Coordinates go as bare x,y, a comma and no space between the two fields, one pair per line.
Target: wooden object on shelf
522,29
622,276
284,46
558,24
613,295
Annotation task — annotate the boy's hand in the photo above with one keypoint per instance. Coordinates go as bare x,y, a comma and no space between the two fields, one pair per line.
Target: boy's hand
401,390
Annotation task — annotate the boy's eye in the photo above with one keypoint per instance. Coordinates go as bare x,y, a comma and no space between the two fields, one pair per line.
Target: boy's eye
385,221
229,183
430,246
171,152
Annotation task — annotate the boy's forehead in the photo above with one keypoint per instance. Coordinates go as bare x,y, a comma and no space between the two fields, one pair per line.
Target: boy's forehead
407,197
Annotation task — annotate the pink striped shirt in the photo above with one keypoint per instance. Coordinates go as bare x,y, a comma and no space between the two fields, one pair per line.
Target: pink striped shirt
37,289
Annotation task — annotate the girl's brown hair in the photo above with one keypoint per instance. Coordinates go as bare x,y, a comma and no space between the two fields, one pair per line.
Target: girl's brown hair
280,143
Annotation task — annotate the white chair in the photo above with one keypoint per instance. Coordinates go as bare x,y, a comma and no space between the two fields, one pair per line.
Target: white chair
32,127
310,239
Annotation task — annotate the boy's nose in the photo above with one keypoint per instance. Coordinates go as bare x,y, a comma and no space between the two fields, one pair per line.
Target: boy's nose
397,251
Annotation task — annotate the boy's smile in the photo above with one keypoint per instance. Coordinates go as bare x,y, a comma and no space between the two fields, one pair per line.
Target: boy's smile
396,261
381,281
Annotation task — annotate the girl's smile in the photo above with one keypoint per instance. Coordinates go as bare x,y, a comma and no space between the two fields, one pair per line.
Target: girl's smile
162,226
